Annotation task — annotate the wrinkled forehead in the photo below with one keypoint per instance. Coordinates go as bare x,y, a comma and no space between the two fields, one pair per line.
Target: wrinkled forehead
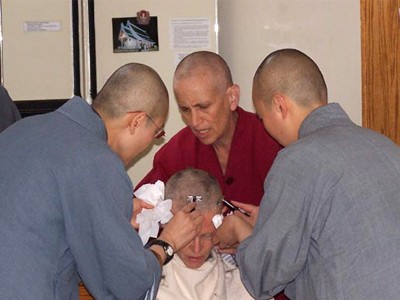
204,78
208,225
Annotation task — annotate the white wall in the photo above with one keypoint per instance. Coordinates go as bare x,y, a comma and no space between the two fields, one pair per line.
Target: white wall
326,30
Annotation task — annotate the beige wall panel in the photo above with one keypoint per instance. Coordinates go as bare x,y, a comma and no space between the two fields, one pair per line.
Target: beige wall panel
327,30
37,64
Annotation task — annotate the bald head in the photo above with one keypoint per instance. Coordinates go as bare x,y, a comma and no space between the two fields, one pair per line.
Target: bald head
132,87
194,182
204,64
293,73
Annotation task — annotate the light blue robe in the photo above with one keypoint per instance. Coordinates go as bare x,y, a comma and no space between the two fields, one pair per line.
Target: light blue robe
65,209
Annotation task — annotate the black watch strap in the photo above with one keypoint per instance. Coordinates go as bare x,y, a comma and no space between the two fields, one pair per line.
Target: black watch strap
168,250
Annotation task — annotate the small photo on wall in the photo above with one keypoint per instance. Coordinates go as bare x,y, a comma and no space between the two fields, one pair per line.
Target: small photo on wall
134,35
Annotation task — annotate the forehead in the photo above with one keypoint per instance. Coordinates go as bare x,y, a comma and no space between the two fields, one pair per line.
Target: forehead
198,84
208,225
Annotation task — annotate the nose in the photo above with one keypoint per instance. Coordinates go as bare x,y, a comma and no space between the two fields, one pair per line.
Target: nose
196,245
195,118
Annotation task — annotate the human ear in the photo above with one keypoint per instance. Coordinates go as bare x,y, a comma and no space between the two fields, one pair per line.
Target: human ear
280,105
136,120
233,94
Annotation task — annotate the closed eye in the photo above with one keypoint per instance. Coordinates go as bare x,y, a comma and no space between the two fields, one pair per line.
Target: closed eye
207,235
203,106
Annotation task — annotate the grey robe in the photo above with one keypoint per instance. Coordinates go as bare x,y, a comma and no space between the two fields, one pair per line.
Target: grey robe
329,221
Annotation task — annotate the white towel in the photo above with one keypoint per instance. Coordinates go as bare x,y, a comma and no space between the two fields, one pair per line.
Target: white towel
149,219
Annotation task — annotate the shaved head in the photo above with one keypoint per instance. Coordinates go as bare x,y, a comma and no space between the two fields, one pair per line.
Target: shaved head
293,73
133,87
204,63
194,182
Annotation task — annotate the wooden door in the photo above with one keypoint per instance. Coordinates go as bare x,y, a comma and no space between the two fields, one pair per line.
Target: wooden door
380,40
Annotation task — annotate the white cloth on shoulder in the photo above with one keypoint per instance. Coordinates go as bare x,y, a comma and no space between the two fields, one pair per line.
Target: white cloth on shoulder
216,279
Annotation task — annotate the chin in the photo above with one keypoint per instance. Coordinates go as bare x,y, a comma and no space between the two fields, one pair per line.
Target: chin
212,140
194,265
206,140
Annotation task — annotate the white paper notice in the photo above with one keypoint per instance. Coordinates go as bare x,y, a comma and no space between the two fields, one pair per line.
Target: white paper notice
32,26
193,33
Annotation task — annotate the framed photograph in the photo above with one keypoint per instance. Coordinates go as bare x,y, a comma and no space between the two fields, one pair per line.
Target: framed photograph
135,34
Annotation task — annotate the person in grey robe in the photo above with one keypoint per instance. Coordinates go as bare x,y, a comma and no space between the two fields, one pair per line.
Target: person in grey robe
9,112
66,199
328,224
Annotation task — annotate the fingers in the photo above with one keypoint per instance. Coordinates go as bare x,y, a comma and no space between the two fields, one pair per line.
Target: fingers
224,236
225,245
228,249
183,227
232,231
215,239
252,211
195,215
225,210
139,204
144,204
247,207
189,207
134,224
242,216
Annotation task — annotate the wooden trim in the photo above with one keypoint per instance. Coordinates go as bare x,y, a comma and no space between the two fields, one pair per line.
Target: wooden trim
380,55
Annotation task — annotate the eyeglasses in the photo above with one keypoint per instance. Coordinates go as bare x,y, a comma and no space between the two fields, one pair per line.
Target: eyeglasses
160,132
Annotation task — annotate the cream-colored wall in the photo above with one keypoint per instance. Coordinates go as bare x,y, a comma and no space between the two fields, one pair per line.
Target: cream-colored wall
37,64
327,30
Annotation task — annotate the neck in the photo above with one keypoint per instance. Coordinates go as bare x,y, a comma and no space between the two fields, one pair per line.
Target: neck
115,139
98,114
222,146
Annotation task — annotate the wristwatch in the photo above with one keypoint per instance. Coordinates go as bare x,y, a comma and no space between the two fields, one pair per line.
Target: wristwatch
168,250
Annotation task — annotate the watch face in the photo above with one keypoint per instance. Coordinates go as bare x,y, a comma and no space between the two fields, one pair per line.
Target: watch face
169,251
